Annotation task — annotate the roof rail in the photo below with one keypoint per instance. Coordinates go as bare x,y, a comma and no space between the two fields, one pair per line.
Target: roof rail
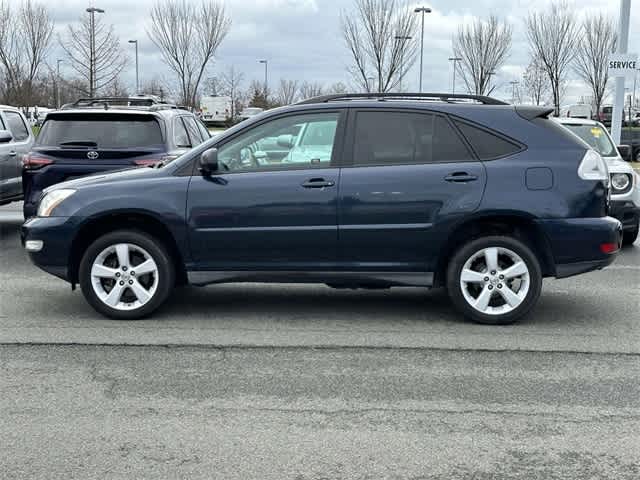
434,97
106,102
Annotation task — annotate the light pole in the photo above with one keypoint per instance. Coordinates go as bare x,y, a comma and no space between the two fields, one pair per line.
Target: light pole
422,10
623,45
92,49
266,78
58,62
370,84
137,78
455,61
402,38
514,84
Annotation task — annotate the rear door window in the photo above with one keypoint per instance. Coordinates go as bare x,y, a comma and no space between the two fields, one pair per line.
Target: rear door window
101,131
487,145
17,127
405,138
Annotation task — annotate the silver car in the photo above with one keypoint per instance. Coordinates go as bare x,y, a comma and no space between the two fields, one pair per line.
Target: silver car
16,140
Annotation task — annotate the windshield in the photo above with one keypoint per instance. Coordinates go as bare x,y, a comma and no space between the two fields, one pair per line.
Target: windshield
596,137
100,131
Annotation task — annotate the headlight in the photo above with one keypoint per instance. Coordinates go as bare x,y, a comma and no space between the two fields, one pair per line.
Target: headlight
51,200
620,182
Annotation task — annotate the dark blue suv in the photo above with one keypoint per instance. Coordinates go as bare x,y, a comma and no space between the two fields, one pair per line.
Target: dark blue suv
355,191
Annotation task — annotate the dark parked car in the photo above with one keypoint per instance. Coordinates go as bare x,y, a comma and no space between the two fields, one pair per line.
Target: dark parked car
101,134
16,139
418,190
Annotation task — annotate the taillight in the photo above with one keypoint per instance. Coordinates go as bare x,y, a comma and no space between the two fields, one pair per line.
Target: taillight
609,248
33,162
593,167
147,162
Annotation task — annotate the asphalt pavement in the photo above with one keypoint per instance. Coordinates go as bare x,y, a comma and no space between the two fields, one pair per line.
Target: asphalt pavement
277,381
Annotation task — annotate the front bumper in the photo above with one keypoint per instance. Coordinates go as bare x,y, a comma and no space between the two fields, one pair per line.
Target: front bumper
56,235
627,212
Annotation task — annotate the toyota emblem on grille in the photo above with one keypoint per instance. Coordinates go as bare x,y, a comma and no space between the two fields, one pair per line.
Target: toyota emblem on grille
92,155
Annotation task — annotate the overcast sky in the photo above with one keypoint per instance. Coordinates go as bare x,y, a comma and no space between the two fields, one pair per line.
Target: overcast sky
301,38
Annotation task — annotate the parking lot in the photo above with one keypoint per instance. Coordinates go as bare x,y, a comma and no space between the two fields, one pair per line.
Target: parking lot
318,383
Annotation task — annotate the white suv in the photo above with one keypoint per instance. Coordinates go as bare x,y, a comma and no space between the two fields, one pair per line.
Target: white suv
625,182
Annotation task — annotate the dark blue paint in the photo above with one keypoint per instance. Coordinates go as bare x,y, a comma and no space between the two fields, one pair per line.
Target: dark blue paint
383,218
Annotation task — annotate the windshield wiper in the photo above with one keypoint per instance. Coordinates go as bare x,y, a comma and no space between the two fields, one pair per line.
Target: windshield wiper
79,143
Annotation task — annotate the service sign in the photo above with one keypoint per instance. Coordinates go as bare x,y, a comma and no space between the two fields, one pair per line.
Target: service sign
623,64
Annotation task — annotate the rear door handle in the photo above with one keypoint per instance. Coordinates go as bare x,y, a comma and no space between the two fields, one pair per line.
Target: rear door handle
318,183
460,177
12,154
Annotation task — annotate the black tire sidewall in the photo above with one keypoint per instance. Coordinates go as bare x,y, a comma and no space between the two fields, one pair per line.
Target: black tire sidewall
630,236
466,251
166,273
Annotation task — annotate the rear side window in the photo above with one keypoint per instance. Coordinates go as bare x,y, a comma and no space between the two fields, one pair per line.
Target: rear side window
487,145
101,131
17,126
405,138
180,136
192,128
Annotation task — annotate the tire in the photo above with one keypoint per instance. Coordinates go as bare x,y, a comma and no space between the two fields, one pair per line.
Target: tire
474,258
156,279
629,237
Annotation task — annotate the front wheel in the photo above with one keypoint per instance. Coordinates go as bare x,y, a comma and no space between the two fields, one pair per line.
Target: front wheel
494,280
126,275
630,236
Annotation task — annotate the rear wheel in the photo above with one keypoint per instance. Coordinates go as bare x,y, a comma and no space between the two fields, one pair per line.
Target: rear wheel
494,280
126,275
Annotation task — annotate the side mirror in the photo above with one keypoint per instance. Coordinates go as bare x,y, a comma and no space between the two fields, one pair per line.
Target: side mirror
209,161
625,152
5,136
285,141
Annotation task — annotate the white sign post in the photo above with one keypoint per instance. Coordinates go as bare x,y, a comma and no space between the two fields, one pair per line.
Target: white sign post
620,64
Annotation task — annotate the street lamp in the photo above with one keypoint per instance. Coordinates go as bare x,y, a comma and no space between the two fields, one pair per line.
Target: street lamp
402,38
137,78
422,10
92,48
514,84
266,66
455,61
58,62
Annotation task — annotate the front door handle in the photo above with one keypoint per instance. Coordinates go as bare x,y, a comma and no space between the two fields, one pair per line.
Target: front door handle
460,177
318,183
12,154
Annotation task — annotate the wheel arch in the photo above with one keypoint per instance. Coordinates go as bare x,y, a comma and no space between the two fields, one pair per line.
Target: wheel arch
141,221
512,224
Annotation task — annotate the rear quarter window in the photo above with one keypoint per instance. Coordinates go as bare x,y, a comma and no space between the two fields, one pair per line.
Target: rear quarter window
106,131
487,145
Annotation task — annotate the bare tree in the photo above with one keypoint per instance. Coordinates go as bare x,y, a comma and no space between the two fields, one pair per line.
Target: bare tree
188,36
380,34
109,59
483,47
535,81
597,42
230,82
287,91
310,90
338,88
553,37
25,39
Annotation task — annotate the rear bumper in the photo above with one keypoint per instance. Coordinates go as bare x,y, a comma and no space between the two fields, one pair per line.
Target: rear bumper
627,212
576,243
